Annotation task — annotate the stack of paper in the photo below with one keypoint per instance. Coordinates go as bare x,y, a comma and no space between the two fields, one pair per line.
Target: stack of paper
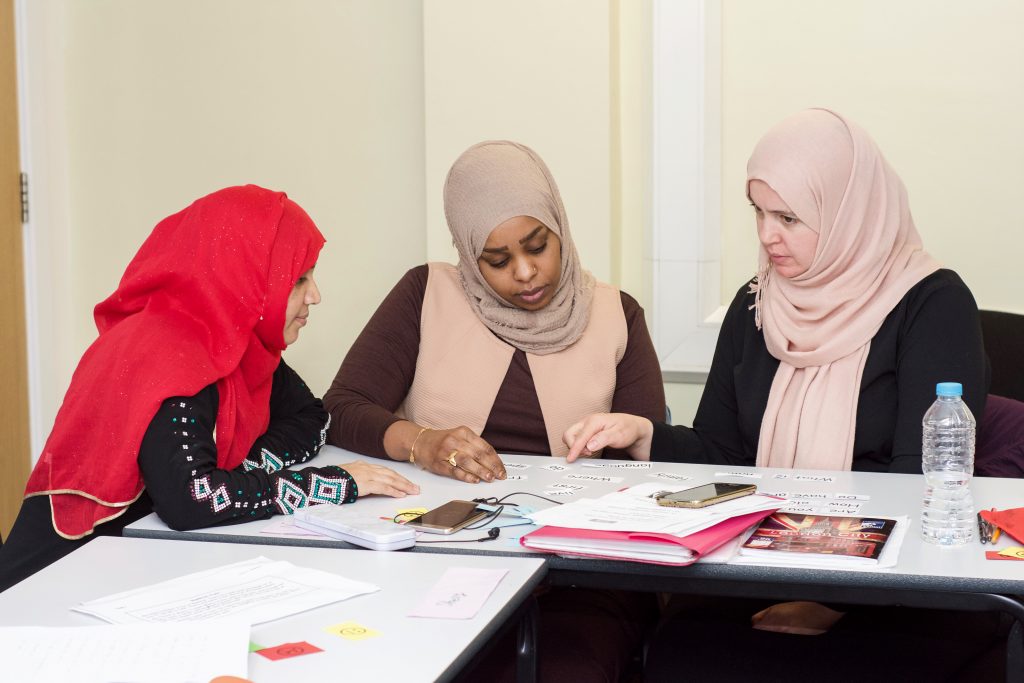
630,525
254,591
155,653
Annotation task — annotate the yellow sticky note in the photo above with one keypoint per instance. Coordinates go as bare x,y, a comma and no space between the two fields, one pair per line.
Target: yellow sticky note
350,630
412,511
1015,551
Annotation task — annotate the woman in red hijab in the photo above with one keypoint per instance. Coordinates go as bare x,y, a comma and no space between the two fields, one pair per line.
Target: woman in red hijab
183,404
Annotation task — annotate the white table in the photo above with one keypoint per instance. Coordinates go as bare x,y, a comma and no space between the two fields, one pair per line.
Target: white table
890,495
407,649
926,575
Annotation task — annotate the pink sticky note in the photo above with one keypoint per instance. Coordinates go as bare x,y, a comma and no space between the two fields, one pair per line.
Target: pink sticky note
460,593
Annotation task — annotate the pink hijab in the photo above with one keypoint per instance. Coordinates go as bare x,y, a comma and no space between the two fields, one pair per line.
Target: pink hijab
820,324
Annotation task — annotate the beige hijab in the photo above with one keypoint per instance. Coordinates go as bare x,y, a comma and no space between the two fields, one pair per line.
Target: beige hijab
490,183
820,324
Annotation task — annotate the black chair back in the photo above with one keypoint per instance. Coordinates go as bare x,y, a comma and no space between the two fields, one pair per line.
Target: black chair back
1004,344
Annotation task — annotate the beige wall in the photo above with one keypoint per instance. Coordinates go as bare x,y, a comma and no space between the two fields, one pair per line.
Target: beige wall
357,107
167,101
569,78
511,70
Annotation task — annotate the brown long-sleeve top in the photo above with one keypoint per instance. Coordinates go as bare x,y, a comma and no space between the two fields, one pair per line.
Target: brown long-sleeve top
378,371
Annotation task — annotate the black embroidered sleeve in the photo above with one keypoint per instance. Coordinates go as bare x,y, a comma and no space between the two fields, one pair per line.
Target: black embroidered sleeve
298,425
178,460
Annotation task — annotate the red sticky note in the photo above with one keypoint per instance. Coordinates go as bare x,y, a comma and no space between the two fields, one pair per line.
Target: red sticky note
994,555
288,650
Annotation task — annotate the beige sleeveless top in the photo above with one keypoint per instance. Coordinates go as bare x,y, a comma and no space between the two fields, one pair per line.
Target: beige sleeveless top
461,364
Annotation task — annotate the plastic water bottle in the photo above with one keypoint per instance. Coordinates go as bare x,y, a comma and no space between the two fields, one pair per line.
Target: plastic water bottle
947,447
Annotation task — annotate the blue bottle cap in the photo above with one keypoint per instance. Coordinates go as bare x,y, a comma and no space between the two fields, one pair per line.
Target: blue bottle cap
949,389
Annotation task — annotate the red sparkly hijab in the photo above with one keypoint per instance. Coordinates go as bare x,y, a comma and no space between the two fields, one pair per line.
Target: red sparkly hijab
203,301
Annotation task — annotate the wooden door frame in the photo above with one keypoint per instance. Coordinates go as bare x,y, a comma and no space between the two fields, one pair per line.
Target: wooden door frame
40,36
16,455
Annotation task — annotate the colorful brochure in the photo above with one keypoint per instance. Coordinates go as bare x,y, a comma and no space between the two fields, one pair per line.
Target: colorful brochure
820,538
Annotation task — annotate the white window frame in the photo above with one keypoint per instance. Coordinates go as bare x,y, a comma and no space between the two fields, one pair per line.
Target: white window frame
683,255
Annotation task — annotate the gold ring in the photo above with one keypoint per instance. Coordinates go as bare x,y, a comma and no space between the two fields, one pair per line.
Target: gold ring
451,459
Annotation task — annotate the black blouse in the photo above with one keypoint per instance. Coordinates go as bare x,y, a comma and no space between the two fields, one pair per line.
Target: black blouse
178,459
933,335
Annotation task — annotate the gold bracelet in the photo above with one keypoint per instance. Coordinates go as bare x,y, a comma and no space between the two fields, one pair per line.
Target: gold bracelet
412,448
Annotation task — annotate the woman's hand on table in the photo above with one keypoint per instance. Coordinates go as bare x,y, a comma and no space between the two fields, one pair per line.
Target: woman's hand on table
373,478
801,617
458,453
610,430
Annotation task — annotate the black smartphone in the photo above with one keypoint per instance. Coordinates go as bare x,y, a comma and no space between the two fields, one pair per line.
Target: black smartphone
449,518
702,496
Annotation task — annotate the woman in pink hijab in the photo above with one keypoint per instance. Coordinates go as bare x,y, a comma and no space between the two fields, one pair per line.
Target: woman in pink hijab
827,359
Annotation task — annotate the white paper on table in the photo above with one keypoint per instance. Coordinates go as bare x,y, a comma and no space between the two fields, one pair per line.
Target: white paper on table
460,593
515,465
816,478
671,476
150,653
255,591
888,558
594,477
558,492
728,550
634,509
629,465
810,508
810,495
743,474
286,527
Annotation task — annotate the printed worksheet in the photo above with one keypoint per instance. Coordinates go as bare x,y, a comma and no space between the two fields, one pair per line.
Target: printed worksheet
140,652
255,591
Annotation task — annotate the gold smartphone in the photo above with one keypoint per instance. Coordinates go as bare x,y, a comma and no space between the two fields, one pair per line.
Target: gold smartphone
449,518
702,496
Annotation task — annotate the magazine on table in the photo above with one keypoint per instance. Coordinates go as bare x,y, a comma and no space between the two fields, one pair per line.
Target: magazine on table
824,540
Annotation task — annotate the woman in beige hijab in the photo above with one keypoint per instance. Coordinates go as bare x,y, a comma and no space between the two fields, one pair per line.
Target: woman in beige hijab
463,361
502,353
829,357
